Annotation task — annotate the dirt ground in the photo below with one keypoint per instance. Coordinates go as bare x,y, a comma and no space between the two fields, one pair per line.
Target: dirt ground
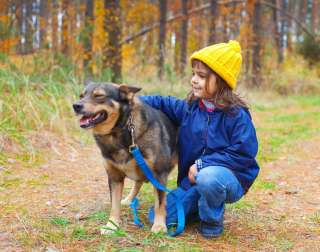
73,183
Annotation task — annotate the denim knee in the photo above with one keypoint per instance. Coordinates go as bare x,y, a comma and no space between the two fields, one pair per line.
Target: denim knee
209,186
220,183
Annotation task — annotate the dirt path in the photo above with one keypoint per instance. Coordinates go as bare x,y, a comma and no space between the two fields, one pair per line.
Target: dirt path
72,183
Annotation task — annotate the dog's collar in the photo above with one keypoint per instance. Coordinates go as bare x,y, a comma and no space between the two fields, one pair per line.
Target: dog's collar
123,119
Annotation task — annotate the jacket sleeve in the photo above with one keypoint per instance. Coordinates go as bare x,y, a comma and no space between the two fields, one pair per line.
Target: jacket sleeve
174,108
243,148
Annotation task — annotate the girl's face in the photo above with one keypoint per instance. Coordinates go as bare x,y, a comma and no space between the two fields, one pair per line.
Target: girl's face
203,81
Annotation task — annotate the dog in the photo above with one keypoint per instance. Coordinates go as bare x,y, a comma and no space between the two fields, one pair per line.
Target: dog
109,110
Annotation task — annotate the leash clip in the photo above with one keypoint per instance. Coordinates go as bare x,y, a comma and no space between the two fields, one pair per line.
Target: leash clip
131,129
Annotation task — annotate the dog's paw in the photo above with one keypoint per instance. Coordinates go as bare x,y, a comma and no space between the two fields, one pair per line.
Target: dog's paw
110,228
156,228
126,202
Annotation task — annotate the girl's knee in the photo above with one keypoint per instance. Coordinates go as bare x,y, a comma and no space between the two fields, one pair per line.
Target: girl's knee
208,182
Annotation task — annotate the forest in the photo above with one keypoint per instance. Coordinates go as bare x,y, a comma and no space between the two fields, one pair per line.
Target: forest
53,187
115,37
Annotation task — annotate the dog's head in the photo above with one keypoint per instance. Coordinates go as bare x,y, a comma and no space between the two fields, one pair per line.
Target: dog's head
100,104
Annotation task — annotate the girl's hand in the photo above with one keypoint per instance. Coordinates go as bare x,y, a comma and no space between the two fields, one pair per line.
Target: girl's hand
192,173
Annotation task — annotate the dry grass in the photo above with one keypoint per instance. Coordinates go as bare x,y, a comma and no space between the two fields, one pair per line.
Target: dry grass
53,190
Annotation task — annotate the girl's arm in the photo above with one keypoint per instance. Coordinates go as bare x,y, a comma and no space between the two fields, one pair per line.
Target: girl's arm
240,154
174,108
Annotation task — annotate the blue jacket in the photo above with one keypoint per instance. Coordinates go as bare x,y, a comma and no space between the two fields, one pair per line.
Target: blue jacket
212,138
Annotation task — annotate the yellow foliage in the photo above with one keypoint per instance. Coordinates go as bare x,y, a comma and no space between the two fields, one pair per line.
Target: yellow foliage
99,35
4,19
129,56
135,19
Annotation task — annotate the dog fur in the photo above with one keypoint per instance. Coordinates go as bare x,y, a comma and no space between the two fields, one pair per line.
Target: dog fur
105,109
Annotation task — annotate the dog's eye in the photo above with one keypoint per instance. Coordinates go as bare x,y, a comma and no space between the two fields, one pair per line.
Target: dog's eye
81,96
99,96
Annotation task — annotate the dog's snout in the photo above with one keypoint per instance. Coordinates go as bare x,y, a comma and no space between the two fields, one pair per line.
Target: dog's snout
77,107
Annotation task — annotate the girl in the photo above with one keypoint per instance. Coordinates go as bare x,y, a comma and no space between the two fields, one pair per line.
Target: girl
217,140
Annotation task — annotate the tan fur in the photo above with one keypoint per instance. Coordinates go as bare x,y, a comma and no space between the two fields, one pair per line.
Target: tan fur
106,126
98,91
111,139
159,213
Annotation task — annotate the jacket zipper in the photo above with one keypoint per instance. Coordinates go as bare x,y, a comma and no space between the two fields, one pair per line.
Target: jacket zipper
206,136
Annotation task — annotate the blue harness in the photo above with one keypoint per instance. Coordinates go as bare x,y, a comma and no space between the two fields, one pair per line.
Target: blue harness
134,150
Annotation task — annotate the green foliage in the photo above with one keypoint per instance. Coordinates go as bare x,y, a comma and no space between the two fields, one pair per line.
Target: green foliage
79,233
3,57
9,183
242,204
315,218
60,221
98,216
264,185
310,49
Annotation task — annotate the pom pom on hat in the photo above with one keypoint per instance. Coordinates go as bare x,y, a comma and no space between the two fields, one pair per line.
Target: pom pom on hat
235,45
224,59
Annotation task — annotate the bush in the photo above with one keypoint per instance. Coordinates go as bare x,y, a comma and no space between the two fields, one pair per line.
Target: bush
310,49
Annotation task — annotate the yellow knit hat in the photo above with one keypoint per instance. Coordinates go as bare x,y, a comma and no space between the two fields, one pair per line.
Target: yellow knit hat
224,59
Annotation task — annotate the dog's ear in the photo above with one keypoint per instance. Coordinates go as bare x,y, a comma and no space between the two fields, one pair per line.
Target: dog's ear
127,92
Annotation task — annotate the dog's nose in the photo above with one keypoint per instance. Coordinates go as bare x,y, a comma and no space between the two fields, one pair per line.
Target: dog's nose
77,107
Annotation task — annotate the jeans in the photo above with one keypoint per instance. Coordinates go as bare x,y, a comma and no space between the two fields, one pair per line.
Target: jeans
205,201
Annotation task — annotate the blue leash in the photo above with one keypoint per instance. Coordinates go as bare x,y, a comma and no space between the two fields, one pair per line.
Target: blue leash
134,206
147,172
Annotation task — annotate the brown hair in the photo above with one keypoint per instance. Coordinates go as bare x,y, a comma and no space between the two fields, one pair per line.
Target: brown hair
224,97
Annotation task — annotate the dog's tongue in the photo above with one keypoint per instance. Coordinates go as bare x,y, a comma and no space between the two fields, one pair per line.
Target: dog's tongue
84,121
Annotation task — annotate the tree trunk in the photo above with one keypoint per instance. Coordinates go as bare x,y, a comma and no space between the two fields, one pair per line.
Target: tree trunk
283,28
44,23
256,57
176,55
302,16
112,58
54,21
184,36
19,15
290,9
276,33
29,27
87,36
234,28
214,12
247,37
315,16
65,28
162,36
225,19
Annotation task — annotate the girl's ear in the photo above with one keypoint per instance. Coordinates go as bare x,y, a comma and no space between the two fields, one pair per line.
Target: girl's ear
127,92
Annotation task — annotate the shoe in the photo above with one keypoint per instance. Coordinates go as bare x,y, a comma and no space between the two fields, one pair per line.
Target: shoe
210,230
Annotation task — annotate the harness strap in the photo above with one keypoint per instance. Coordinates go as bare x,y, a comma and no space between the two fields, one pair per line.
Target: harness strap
147,172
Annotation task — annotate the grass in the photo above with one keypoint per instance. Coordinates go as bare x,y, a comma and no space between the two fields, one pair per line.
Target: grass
315,218
260,184
60,221
35,111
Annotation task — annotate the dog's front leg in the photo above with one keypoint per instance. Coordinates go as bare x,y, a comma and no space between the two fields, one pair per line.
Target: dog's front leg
159,224
116,188
133,193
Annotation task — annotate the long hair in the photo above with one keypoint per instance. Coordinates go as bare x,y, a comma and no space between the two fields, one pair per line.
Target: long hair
224,97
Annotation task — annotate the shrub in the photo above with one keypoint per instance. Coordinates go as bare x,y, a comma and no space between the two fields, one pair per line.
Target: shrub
310,49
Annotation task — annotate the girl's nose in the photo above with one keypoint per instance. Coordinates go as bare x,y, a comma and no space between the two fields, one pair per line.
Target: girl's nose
194,79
